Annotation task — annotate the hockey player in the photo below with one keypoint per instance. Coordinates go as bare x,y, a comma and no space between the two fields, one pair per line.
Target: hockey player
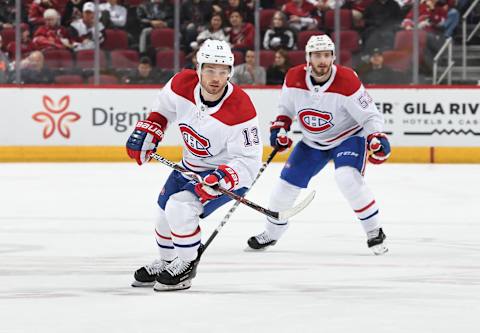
339,122
219,127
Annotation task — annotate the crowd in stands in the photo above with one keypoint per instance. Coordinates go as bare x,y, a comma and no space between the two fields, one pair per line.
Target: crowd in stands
137,37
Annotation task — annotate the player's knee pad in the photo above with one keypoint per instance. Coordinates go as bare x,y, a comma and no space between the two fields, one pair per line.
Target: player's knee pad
161,223
348,179
182,212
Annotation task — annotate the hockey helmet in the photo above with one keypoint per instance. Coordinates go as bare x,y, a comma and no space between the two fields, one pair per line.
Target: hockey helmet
319,43
215,52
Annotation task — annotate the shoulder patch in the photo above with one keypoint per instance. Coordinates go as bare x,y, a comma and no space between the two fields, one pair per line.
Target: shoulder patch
236,109
295,77
346,82
184,83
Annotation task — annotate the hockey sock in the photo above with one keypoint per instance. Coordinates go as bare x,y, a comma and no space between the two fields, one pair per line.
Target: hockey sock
282,197
164,237
353,187
182,211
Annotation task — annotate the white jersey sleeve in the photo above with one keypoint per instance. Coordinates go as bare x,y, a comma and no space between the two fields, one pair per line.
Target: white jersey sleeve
362,108
244,147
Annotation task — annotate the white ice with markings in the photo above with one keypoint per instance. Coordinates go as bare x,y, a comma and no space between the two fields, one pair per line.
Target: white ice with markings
71,236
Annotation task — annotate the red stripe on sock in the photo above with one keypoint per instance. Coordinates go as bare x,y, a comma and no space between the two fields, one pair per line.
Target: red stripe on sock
365,208
164,237
185,236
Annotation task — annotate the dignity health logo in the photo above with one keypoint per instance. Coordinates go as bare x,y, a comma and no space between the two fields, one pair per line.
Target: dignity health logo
56,117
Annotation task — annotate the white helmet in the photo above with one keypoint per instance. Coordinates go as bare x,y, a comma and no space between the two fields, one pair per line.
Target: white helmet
319,43
215,52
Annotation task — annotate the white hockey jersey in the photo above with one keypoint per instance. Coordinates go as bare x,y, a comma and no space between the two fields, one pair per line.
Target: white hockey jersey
225,134
329,114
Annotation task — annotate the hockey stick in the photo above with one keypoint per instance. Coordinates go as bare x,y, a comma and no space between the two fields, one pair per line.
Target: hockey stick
283,215
237,203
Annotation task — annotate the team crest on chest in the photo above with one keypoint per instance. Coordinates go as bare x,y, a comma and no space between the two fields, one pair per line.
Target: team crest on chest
315,121
195,143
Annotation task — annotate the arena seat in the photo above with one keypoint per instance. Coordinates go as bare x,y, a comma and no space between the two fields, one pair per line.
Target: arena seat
165,59
68,79
115,39
162,38
303,36
345,19
124,59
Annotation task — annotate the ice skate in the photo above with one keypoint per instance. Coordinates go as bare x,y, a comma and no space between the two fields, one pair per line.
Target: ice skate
260,242
177,275
145,276
375,241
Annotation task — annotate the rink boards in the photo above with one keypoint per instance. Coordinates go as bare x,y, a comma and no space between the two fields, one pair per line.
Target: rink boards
425,124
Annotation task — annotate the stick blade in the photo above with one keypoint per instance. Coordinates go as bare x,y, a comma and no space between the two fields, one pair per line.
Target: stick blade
286,214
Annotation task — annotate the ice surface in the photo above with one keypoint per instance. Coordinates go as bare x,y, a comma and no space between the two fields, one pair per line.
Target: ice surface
71,236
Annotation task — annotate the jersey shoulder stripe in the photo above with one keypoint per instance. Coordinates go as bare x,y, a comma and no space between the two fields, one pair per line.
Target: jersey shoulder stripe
183,84
346,82
295,77
236,109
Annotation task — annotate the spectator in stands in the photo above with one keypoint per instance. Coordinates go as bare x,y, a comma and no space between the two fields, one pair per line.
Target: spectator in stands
278,36
72,11
439,21
435,17
376,72
301,14
195,15
83,30
34,71
26,45
357,8
241,33
270,4
153,14
113,15
144,73
277,71
249,72
214,31
37,8
382,19
4,64
236,6
7,14
51,35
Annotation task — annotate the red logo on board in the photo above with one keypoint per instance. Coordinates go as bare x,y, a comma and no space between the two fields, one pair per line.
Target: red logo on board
315,121
195,143
56,117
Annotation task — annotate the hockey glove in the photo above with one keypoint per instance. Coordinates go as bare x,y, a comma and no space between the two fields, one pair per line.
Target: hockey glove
379,148
223,176
278,133
145,138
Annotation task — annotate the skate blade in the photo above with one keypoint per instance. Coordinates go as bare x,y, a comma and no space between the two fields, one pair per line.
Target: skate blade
138,284
250,249
164,287
379,249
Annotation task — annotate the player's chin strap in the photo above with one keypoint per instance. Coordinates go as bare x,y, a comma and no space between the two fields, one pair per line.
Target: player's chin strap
283,215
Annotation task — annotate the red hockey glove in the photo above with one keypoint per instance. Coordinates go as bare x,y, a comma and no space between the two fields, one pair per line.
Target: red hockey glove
379,148
223,176
145,138
278,133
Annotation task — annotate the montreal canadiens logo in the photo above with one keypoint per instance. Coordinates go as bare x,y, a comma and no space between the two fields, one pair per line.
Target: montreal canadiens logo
315,121
196,144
